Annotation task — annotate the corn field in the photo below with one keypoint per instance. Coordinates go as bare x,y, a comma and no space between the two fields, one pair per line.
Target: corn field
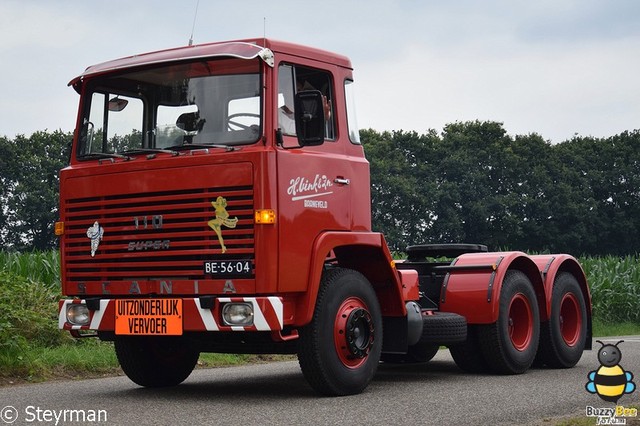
615,287
41,267
614,281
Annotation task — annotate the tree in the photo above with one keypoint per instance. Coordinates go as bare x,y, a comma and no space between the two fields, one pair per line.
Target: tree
7,183
30,188
471,183
474,183
402,179
606,175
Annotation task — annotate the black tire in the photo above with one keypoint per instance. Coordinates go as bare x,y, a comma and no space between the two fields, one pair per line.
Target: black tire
418,353
438,329
340,349
467,355
510,344
156,361
443,328
562,338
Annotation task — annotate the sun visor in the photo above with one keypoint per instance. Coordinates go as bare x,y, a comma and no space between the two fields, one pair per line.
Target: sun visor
240,50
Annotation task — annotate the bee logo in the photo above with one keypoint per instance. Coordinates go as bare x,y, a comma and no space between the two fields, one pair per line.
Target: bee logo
610,381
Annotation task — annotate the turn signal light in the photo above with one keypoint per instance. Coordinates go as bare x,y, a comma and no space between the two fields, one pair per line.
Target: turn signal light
265,217
59,228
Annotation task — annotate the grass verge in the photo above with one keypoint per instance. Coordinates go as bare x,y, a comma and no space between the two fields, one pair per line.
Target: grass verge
81,359
602,328
91,358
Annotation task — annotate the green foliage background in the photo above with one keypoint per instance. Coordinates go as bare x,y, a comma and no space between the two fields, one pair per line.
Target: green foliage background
29,183
29,294
474,183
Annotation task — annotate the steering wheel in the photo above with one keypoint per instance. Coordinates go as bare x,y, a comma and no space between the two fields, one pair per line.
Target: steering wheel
232,122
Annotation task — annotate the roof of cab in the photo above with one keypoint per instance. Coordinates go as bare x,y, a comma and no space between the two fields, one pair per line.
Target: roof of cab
243,49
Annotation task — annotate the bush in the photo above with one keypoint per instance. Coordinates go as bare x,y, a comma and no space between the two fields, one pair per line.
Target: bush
28,314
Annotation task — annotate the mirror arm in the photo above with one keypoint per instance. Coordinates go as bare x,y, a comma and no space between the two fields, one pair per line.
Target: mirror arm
279,137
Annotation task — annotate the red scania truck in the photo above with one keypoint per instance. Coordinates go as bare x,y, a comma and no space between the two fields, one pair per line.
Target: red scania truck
218,200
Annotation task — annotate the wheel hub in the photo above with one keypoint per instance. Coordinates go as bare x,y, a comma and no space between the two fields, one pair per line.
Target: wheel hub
354,332
359,333
570,320
520,322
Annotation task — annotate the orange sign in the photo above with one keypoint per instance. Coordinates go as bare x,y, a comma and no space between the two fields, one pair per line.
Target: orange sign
149,317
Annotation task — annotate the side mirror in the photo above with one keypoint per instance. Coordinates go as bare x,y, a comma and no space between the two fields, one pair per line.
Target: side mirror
309,113
190,122
116,104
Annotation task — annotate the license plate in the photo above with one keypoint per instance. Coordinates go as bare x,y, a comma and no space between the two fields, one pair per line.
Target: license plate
228,268
149,317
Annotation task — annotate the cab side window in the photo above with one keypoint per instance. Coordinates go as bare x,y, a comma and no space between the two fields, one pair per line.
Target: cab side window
293,79
286,120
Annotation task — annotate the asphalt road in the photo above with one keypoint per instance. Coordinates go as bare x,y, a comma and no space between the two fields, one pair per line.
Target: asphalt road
436,393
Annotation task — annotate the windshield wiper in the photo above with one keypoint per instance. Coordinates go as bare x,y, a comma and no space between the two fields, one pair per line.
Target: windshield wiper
203,146
152,151
102,155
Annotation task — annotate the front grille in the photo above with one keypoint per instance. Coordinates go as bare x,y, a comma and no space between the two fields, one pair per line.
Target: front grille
156,235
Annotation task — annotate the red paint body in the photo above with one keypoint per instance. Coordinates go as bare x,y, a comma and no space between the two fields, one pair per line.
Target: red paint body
155,209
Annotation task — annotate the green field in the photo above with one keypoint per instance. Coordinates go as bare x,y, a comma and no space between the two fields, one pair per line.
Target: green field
33,349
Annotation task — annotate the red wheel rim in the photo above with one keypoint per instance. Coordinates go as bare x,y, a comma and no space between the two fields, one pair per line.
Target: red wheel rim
353,332
520,322
570,319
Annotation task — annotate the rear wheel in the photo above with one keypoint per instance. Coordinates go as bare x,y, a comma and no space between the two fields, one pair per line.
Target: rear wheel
340,349
156,361
420,352
438,328
468,355
563,337
510,344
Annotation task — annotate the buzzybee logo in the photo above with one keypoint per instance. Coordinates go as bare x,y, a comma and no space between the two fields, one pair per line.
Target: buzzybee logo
610,382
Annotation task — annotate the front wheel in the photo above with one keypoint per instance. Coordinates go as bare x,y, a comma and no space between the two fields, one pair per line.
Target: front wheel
340,349
156,361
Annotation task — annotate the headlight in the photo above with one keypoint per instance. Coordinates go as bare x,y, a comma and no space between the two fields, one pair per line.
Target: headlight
78,314
238,314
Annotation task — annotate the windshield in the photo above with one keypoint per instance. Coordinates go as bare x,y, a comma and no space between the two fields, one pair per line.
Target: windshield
215,102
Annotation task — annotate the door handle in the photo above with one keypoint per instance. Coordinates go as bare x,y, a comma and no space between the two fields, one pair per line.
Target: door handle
342,181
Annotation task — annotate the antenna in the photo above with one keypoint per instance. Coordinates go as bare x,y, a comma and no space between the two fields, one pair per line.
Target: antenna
264,31
195,15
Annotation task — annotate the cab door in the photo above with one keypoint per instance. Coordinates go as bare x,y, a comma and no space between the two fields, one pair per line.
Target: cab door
313,181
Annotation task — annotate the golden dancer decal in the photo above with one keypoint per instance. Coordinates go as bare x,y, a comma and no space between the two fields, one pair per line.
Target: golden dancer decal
222,218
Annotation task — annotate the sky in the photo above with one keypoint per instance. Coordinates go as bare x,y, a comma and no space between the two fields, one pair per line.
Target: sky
558,68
